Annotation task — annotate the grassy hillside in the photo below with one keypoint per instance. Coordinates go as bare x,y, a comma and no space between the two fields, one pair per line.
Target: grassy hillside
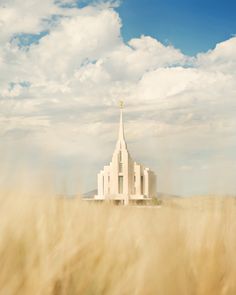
56,246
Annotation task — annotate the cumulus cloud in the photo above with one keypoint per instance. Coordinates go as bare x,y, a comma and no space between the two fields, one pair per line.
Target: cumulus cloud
130,61
63,68
222,58
25,17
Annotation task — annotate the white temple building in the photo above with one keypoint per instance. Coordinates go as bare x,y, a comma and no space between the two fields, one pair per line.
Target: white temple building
124,180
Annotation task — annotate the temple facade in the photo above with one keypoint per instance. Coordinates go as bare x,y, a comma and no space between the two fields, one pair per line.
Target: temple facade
124,180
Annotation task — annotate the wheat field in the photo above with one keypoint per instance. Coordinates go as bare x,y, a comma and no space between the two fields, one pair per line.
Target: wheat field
50,245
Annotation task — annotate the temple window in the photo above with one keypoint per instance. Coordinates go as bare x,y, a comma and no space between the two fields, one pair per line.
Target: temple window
142,185
120,184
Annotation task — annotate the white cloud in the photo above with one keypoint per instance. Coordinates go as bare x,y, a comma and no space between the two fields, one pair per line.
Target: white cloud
18,17
140,55
81,39
62,90
222,58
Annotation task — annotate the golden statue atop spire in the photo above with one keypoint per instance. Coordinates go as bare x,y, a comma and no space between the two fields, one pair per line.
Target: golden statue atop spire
121,104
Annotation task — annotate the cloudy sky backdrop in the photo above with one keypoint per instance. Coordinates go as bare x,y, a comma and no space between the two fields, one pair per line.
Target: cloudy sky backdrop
65,64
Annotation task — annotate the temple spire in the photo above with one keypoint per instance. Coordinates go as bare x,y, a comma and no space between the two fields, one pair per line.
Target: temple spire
121,128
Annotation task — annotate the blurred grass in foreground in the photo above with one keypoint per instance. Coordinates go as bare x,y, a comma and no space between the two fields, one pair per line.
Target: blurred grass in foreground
56,246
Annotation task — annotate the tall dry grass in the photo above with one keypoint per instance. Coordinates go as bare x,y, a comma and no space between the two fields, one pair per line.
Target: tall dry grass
56,246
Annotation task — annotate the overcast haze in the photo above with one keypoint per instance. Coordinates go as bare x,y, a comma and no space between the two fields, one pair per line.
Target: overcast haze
63,69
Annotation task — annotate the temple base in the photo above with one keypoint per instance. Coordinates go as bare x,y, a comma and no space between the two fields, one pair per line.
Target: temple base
122,199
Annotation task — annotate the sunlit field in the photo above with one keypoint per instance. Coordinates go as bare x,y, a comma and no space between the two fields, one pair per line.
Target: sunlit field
50,245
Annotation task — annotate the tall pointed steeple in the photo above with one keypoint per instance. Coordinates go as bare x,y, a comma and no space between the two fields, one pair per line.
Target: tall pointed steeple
121,129
121,136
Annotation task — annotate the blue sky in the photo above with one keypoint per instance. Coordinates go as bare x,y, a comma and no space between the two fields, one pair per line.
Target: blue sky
192,26
63,70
